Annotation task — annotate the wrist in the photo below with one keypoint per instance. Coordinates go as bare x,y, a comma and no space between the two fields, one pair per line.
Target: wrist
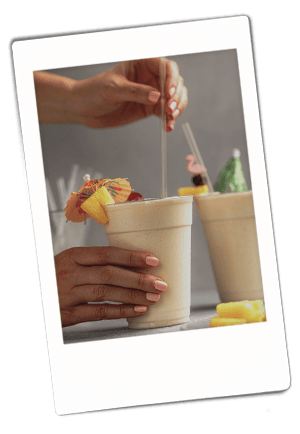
53,95
73,102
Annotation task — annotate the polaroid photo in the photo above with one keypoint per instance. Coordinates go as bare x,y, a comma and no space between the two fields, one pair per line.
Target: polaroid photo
184,182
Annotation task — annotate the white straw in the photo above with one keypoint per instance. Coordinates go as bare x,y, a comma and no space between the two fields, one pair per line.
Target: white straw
196,153
60,182
72,180
51,200
162,74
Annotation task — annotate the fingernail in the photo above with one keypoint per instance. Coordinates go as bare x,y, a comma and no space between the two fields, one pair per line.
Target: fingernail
176,114
154,96
170,127
140,308
173,105
172,91
152,260
152,297
160,286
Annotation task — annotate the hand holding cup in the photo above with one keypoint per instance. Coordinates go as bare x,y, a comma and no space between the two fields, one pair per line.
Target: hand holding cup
88,278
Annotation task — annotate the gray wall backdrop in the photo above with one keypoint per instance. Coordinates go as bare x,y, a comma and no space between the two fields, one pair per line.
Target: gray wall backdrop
215,114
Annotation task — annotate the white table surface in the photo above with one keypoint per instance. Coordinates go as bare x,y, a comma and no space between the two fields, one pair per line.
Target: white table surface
202,309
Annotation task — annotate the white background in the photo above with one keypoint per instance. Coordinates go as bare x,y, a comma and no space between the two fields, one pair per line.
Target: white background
202,363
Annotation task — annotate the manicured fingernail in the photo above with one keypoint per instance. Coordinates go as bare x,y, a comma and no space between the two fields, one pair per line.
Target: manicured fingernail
154,96
152,260
140,308
160,286
173,105
176,114
152,297
172,91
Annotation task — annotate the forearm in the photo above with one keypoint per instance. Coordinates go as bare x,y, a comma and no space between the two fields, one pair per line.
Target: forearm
53,96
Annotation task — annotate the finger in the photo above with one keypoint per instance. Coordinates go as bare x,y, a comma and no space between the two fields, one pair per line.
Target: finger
98,312
182,103
136,92
118,276
171,119
172,78
89,256
172,103
101,293
172,73
170,124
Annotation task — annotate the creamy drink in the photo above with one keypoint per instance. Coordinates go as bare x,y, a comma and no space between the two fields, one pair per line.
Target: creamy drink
230,230
161,227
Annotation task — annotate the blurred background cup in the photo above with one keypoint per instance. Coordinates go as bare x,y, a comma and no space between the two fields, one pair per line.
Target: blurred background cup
161,227
230,230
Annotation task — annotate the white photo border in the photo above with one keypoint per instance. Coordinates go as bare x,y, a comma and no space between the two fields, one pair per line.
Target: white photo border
166,367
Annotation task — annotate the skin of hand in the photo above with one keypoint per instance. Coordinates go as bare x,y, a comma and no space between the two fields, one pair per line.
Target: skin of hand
126,93
105,274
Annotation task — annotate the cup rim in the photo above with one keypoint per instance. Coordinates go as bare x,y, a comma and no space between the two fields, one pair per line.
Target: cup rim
173,200
223,195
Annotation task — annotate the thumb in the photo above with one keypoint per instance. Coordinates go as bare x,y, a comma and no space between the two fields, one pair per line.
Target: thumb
140,93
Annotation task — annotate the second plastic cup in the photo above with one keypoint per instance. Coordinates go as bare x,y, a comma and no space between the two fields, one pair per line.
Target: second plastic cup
161,227
230,230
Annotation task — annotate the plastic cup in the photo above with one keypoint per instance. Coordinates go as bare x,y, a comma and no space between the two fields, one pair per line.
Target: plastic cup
161,227
229,224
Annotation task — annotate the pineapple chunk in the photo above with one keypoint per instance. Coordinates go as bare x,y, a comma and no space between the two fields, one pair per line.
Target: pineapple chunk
252,311
93,206
239,312
219,322
189,191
